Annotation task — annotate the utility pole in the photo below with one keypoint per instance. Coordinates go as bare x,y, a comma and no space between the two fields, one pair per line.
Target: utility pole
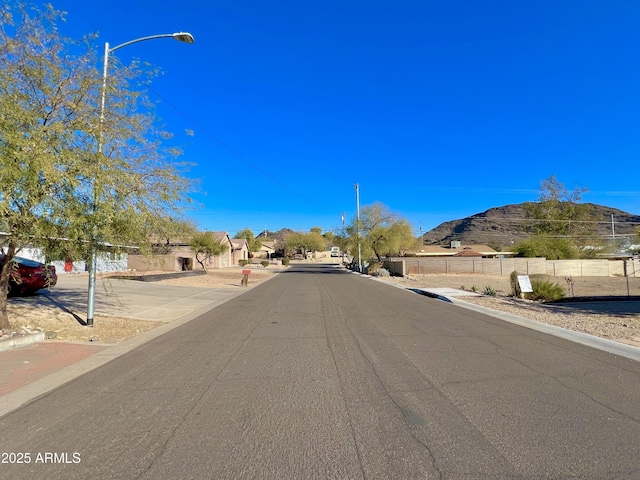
613,235
343,242
421,237
358,226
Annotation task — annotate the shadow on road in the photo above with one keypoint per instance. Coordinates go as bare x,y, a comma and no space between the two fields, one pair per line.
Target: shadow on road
315,269
619,306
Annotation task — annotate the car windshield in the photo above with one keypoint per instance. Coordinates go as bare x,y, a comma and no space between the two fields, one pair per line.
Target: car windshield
23,261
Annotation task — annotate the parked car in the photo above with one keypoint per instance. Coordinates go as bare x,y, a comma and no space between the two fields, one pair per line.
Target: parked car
29,276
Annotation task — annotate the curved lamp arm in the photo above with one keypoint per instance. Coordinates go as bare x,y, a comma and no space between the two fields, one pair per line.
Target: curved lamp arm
180,36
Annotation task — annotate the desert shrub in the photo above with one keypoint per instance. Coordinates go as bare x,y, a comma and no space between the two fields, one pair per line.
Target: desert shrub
545,289
489,290
515,287
373,267
242,262
264,263
474,288
285,261
382,272
463,287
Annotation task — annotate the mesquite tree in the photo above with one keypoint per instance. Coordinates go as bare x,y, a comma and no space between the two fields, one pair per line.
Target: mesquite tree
58,191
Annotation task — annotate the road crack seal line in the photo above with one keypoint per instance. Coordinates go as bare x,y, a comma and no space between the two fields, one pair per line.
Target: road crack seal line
410,419
160,454
574,389
406,414
265,318
444,396
344,400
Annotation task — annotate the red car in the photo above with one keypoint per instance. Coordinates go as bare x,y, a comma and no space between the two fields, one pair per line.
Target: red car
29,276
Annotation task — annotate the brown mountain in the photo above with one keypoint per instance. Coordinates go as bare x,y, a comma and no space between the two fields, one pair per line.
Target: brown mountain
504,226
278,236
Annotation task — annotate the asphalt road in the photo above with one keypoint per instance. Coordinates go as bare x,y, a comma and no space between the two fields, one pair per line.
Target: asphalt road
320,373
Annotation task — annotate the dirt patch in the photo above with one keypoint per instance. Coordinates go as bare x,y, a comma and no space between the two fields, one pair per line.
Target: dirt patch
63,325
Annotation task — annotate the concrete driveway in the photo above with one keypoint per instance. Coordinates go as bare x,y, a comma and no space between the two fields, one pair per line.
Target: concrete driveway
134,299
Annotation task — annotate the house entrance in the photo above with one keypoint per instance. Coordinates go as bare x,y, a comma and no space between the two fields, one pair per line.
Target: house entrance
185,263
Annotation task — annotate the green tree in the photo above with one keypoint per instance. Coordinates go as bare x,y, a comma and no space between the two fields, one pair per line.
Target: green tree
255,244
312,241
558,211
205,246
382,233
547,247
561,223
54,181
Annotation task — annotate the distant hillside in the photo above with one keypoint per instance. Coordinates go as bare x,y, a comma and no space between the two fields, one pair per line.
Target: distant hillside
508,225
278,236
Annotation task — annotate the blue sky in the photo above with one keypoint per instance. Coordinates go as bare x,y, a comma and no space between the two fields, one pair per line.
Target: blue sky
438,109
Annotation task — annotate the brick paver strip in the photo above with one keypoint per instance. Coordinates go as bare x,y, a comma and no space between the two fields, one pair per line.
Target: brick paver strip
23,365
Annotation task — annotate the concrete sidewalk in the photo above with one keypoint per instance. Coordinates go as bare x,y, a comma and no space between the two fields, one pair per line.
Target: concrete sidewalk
31,370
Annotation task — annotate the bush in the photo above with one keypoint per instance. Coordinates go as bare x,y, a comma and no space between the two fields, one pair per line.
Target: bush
550,248
489,290
545,289
515,287
382,272
373,267
264,263
285,261
242,263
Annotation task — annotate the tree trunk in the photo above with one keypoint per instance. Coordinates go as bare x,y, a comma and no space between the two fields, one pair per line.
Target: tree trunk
4,285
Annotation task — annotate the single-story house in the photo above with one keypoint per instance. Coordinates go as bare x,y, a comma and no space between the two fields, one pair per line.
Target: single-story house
111,258
266,250
240,250
458,250
178,255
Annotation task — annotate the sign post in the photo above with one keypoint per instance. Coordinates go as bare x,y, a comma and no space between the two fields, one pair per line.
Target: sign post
245,277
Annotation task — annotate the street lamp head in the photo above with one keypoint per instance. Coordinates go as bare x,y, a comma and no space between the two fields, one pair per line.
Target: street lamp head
183,37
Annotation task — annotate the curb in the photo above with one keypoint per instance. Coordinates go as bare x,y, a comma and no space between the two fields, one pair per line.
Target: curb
19,340
603,344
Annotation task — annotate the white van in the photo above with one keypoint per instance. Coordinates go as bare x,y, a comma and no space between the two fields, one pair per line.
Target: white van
335,251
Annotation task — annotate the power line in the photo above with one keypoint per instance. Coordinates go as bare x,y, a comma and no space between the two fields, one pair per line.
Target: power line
501,219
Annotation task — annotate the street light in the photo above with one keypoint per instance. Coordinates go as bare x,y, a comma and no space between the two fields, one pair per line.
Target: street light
181,37
358,226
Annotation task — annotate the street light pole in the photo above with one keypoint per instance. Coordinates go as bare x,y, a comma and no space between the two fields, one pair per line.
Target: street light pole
358,226
179,36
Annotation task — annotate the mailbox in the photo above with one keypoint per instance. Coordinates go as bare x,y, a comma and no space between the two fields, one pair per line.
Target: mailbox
245,277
